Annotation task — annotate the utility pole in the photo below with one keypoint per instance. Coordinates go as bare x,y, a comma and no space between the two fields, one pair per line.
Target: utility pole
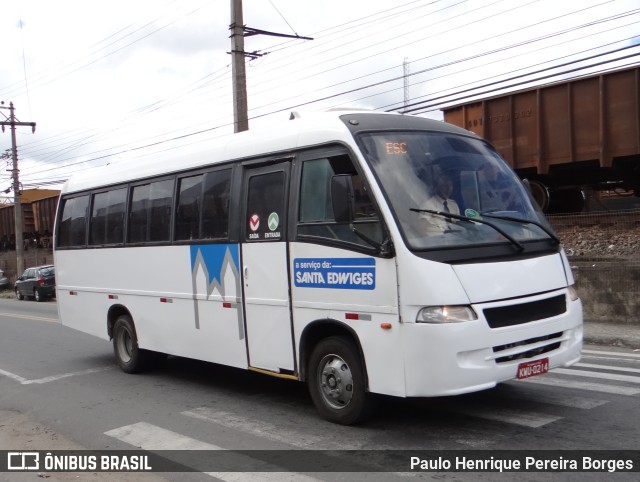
238,32
12,122
240,115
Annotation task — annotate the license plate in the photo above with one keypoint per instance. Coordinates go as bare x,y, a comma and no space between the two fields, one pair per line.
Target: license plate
533,368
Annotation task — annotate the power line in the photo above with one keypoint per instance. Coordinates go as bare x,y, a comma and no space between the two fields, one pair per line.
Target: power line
289,108
430,103
171,102
457,88
429,4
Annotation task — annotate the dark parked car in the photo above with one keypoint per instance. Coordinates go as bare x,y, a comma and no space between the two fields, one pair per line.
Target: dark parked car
38,282
4,281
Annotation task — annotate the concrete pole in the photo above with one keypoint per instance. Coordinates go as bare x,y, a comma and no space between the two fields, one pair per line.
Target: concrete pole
240,116
12,123
17,206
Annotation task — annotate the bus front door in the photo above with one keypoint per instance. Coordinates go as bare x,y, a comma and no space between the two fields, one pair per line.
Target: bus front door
264,268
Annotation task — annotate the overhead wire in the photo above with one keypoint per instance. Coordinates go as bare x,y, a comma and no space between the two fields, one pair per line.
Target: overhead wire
482,54
217,127
106,156
171,100
419,106
171,103
378,19
441,52
456,88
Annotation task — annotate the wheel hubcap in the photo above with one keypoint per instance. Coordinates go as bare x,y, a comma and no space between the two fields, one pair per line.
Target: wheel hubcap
125,345
336,381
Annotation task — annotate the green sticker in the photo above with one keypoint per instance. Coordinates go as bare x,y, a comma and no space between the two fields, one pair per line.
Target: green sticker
472,213
274,221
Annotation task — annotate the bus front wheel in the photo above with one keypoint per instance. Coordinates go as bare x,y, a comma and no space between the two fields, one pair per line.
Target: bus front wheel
337,382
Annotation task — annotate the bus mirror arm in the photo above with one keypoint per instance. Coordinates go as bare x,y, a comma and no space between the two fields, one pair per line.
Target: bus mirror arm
384,248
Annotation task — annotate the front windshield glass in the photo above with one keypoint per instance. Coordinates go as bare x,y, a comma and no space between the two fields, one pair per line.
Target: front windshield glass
439,183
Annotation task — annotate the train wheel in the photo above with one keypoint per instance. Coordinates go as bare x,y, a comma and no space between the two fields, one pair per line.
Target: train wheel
540,193
564,201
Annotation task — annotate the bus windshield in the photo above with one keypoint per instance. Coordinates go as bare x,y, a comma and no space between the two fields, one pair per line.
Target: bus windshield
450,191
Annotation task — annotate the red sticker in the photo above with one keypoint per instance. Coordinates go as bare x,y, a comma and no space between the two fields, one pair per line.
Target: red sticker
254,222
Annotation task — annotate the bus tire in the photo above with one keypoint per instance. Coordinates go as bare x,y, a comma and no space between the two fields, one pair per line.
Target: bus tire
337,382
130,358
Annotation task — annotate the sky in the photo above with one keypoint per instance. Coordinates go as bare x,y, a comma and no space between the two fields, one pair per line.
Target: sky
119,81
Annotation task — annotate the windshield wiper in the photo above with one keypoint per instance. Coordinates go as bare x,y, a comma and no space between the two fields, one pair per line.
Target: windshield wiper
525,221
472,220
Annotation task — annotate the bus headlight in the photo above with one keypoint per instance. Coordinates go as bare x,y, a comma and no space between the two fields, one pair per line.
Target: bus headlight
446,314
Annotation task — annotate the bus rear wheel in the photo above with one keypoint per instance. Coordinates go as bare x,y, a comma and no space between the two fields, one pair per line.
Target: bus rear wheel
131,359
337,382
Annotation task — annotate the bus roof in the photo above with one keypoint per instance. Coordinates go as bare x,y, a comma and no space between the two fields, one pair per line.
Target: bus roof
310,130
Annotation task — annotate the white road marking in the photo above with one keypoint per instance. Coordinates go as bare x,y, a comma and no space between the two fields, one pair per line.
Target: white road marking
612,353
594,387
13,376
257,427
151,437
590,374
53,378
608,367
29,317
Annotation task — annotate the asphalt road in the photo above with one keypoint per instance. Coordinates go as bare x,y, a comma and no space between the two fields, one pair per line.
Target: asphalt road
60,388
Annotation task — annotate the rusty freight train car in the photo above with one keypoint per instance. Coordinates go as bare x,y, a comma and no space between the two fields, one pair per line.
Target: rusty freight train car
566,138
38,215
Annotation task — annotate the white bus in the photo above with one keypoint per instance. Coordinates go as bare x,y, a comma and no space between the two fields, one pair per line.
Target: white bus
313,251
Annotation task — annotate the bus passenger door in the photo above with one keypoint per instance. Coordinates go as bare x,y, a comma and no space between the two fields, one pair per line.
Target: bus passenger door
265,268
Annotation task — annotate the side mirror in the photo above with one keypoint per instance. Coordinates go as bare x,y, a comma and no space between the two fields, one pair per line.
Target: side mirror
342,198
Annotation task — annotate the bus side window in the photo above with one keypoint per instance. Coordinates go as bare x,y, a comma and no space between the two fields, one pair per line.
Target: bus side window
315,215
202,208
215,205
188,208
72,230
150,212
107,217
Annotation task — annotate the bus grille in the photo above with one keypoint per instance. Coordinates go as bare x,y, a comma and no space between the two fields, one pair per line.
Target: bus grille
539,350
525,312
